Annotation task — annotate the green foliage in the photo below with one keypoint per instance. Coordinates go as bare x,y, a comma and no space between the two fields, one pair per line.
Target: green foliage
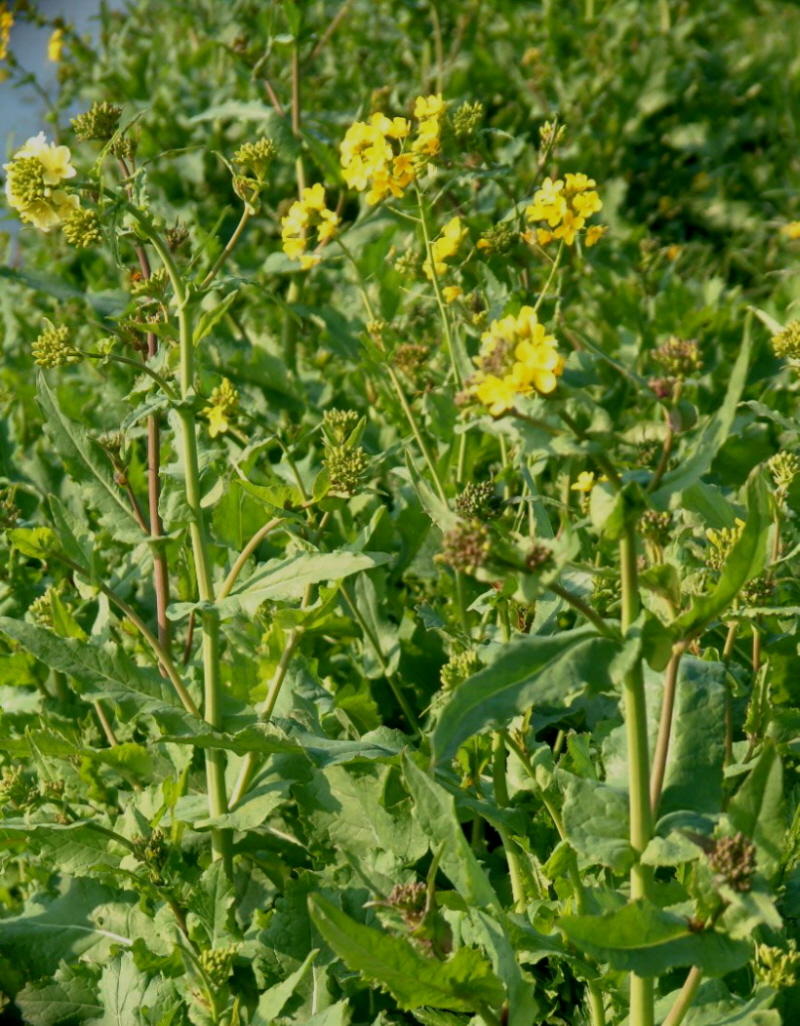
399,578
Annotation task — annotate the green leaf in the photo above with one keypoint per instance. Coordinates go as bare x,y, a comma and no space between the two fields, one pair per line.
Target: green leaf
463,984
34,542
527,671
208,319
745,561
88,465
121,990
70,997
694,463
613,512
758,809
434,810
285,580
212,901
54,929
272,1001
101,671
642,938
74,539
596,822
75,848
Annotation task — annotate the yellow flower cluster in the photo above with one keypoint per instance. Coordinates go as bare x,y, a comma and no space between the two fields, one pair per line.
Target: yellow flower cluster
517,357
6,24
222,408
374,154
32,183
55,45
446,246
565,204
308,212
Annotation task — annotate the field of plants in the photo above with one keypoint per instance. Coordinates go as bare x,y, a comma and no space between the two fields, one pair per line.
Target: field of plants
399,493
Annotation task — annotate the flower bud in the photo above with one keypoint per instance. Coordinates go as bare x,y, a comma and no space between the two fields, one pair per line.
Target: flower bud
99,122
53,348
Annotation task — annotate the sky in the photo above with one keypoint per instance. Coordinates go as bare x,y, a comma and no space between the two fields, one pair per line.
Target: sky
20,109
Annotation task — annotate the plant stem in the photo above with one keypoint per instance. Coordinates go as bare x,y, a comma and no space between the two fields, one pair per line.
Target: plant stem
244,555
553,269
641,828
230,246
212,682
585,610
665,728
509,845
684,999
727,655
437,288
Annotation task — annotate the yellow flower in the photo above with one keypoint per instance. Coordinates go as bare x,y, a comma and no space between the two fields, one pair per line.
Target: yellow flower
597,231
55,45
429,107
792,230
31,177
565,205
445,246
222,408
499,394
584,482
451,293
304,214
6,24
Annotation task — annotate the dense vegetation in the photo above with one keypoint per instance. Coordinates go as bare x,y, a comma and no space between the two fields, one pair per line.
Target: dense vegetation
399,494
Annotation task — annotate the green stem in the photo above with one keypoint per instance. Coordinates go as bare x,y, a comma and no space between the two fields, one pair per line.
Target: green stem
437,288
412,420
230,246
727,655
244,555
585,610
376,649
509,844
683,1001
641,828
549,282
212,681
665,727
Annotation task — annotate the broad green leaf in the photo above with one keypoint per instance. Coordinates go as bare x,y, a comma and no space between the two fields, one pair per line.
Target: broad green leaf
254,809
75,848
596,821
463,983
88,465
527,671
492,936
694,463
434,810
745,561
121,990
714,1005
75,540
285,580
52,929
697,747
99,671
209,318
642,938
758,809
69,997
271,1002
335,1015
211,904
35,542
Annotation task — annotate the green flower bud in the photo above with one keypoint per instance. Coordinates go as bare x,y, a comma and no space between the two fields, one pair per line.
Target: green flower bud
124,148
479,502
734,858
256,156
52,348
498,240
680,357
339,424
466,546
345,468
656,526
468,119
784,467
99,122
25,180
461,666
787,342
41,609
82,230
217,964
16,790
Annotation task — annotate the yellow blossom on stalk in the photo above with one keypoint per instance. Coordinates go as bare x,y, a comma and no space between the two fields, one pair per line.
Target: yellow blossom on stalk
584,482
6,24
517,357
374,156
445,247
308,212
565,204
55,45
32,179
791,230
222,408
451,293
